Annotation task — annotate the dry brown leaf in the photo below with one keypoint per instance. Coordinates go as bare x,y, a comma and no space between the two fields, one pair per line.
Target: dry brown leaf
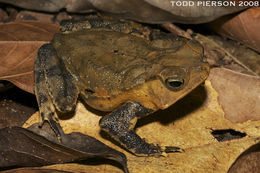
19,42
187,124
34,170
243,27
28,31
239,94
21,147
13,113
248,161
148,11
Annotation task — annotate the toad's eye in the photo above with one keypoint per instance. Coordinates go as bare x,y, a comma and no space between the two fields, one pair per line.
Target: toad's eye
174,83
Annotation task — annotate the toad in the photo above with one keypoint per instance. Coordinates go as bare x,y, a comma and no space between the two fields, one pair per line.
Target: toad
120,67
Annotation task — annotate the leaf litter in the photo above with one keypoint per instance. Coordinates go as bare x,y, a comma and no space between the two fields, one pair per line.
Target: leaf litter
188,124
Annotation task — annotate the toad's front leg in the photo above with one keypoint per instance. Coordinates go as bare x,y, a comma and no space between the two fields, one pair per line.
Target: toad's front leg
120,125
54,87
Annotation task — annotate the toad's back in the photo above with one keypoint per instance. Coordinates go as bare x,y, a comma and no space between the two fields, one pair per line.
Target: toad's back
108,59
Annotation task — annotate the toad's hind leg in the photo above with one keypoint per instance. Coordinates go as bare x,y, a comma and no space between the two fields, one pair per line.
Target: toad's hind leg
120,125
54,87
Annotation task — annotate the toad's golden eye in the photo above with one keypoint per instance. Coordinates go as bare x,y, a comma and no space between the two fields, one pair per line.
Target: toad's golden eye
174,83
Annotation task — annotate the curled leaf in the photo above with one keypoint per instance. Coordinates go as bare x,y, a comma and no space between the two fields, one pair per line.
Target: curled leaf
21,147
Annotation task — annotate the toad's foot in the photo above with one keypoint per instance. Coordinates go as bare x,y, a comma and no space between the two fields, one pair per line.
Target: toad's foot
120,124
54,123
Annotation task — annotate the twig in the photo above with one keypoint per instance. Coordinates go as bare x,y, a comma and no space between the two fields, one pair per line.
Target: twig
176,30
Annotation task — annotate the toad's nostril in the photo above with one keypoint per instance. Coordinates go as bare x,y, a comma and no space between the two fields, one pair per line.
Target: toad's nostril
202,68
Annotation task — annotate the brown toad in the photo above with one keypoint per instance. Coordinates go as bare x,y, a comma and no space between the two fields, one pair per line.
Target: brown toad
120,67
